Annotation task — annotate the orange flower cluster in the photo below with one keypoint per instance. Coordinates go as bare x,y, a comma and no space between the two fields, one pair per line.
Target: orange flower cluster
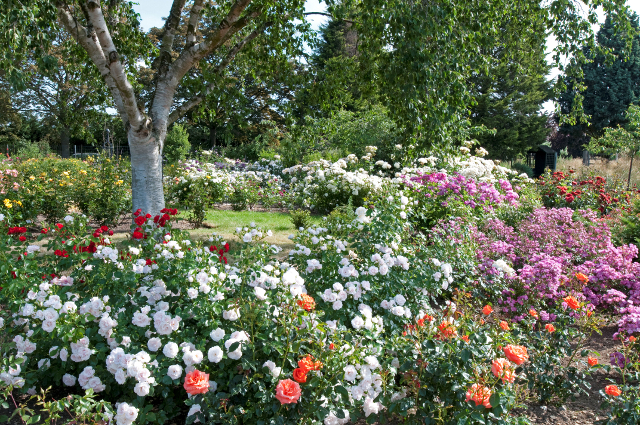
305,366
572,302
446,330
550,328
480,395
307,302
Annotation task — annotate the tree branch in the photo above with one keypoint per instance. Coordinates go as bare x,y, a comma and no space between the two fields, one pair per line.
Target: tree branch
230,25
192,26
89,42
168,36
328,15
137,119
195,101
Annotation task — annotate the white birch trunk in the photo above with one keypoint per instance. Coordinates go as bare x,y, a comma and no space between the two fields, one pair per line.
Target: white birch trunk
146,172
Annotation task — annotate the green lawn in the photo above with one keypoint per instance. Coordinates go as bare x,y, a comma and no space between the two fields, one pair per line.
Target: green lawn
225,222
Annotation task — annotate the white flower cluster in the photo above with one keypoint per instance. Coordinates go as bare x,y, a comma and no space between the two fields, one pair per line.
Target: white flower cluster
503,267
369,385
445,273
321,181
124,366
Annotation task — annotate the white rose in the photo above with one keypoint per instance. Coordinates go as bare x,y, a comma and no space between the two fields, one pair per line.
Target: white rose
175,371
217,334
215,354
69,380
171,350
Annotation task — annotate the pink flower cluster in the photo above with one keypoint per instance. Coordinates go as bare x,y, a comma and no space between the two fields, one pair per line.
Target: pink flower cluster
445,188
547,250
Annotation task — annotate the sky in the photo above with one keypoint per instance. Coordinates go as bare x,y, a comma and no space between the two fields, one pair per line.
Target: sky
152,12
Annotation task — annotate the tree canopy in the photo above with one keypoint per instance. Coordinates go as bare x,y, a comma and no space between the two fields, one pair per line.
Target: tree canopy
611,83
419,55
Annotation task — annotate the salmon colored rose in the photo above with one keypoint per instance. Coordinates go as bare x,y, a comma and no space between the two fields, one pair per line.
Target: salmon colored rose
480,395
300,375
533,313
196,382
504,325
288,391
612,390
571,302
306,302
487,310
592,361
550,328
516,353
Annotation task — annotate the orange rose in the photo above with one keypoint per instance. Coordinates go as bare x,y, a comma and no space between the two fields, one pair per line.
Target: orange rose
504,325
516,353
502,369
306,302
480,395
582,278
465,338
632,339
309,363
549,327
196,382
572,302
487,310
612,390
288,391
300,375
447,330
533,313
592,361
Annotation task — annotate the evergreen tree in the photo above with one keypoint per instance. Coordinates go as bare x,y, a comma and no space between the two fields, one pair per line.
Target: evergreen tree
610,86
509,98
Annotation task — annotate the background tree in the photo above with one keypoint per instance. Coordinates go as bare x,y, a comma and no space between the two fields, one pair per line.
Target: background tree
64,93
510,95
424,53
611,84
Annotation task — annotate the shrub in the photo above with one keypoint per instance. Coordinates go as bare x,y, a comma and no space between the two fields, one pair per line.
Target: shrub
560,189
300,218
176,144
523,168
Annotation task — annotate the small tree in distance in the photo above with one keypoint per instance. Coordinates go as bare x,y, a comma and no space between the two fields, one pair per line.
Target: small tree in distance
621,139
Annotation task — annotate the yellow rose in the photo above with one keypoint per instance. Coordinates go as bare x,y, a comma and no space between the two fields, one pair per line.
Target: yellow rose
32,178
7,203
19,203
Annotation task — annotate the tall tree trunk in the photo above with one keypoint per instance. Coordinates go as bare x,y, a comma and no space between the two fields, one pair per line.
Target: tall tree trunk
213,134
146,172
65,135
